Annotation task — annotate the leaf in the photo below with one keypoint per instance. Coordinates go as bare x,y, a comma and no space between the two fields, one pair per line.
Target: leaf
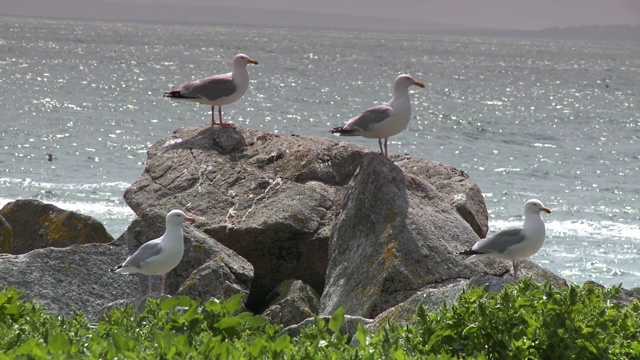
228,322
361,335
257,321
282,343
56,341
336,321
27,347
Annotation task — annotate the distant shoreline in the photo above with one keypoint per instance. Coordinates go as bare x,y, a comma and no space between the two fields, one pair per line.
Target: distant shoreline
235,16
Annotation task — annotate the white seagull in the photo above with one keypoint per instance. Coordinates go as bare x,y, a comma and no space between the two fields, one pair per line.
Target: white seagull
159,256
386,120
217,90
514,243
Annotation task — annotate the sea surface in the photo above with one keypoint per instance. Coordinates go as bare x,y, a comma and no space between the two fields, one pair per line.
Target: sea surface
553,120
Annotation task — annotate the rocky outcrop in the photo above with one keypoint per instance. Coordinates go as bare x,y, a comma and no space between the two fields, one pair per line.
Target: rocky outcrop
273,199
366,232
349,326
291,302
38,225
6,236
63,279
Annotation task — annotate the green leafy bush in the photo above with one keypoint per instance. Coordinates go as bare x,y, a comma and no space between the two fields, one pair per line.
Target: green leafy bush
532,321
523,321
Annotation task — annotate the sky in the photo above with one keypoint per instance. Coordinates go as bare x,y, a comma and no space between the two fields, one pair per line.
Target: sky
516,14
494,14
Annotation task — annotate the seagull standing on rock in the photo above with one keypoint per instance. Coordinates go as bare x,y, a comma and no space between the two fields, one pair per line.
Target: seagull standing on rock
515,243
217,90
383,121
159,256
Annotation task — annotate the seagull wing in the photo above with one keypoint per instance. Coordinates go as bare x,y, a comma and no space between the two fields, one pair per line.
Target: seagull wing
144,253
211,88
500,242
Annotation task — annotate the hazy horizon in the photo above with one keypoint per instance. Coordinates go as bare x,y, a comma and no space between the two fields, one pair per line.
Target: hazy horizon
488,14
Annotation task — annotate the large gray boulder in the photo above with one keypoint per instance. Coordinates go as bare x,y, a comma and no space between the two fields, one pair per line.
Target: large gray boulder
37,225
63,279
435,296
6,236
273,199
292,302
396,234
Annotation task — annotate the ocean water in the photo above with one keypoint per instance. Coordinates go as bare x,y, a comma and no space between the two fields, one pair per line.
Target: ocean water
553,120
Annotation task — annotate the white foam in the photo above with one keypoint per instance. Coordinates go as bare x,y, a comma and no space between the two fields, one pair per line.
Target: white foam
579,228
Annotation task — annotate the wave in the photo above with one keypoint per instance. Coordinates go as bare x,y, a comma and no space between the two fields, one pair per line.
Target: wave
29,183
580,228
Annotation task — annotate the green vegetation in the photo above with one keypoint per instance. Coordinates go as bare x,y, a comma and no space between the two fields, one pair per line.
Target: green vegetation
526,321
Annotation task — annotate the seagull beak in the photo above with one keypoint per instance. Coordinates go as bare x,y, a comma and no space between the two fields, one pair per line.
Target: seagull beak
254,62
418,83
191,219
547,210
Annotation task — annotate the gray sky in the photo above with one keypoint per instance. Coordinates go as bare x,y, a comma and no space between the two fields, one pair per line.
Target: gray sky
520,14
497,14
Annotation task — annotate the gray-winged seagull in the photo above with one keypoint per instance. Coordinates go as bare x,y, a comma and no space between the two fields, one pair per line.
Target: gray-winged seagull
217,90
159,256
514,243
386,120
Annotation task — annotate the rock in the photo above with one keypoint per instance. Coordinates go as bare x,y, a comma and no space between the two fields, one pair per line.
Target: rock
396,234
455,185
207,268
38,225
291,302
224,275
349,328
434,297
6,236
273,199
624,297
63,279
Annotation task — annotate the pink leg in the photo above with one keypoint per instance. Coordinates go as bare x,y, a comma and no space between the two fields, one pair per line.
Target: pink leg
149,286
515,269
380,144
220,118
386,153
213,116
162,281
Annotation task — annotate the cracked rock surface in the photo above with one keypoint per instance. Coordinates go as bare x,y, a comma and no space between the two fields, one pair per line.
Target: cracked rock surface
364,231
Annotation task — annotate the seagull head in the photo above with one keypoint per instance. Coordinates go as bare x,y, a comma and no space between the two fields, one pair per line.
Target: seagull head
535,206
178,217
243,60
405,81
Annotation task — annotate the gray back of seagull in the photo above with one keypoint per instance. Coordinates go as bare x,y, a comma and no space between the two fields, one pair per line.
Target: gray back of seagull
500,242
370,117
211,88
144,253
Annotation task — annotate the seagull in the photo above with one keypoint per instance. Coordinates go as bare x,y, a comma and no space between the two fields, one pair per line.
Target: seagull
217,90
514,243
386,120
159,256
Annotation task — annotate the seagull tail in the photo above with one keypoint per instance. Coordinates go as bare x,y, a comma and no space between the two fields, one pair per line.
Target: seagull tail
474,255
340,130
173,94
116,268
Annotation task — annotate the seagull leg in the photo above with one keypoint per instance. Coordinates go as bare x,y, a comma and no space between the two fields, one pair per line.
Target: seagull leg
386,153
220,117
149,295
213,116
380,144
515,269
162,281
